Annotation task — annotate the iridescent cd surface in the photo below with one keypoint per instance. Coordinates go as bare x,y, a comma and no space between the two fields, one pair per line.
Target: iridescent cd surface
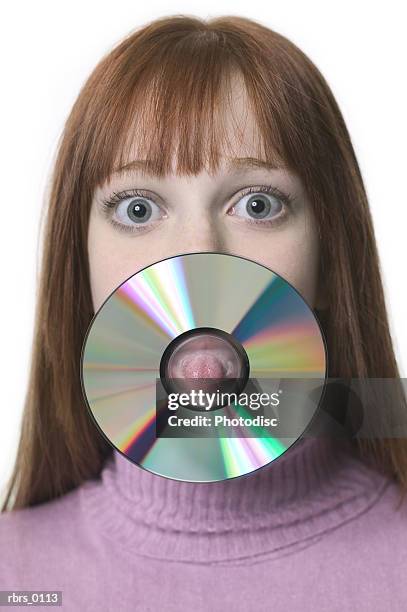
127,338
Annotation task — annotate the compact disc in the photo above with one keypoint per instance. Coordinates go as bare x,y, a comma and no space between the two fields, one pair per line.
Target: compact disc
203,367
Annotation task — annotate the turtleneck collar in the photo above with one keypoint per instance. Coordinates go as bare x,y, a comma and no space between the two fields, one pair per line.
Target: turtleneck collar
313,488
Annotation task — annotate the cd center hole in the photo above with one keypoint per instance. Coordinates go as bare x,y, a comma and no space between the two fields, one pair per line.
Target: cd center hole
204,358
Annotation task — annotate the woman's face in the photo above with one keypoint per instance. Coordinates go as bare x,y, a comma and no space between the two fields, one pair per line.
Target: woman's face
154,218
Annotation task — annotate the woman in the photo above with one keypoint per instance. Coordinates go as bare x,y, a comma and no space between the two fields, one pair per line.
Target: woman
172,133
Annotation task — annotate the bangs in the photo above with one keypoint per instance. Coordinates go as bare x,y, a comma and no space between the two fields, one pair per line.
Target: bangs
171,101
180,130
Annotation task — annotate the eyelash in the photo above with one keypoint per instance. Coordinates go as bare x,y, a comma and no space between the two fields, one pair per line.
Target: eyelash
108,205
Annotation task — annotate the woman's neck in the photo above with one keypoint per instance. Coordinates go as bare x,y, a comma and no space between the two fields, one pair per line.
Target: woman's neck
316,485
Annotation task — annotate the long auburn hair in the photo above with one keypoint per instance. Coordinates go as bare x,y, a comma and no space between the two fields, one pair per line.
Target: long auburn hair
166,82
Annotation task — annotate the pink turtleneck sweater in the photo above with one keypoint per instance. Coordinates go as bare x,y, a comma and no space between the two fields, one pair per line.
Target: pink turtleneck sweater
315,530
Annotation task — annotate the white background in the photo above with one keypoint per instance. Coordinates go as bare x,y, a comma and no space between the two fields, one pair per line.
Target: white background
48,49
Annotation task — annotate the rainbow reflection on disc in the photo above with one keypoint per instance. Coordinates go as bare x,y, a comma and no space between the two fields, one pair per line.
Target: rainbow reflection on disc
128,336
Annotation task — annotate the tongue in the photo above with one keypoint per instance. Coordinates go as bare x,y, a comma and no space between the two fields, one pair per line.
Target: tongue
203,366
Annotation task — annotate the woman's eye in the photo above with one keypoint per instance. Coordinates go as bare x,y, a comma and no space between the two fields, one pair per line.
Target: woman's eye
258,206
136,210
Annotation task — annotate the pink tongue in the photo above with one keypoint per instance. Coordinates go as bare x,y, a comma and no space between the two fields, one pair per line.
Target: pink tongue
203,366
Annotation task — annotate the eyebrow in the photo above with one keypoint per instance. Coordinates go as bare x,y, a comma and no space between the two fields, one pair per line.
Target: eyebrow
235,163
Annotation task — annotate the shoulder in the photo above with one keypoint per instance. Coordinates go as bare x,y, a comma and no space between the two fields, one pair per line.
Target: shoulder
387,518
36,540
368,555
376,537
41,520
